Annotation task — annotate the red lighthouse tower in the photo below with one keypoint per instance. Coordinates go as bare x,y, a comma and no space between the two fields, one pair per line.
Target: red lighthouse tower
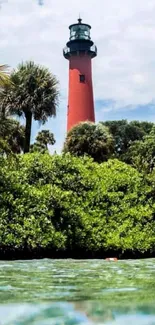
79,51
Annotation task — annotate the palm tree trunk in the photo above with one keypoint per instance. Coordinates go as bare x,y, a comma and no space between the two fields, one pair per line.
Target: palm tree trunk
28,126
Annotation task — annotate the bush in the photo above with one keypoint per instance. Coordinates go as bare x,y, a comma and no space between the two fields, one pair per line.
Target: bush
75,207
24,216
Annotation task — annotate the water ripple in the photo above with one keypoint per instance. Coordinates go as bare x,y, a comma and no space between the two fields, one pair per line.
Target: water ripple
42,292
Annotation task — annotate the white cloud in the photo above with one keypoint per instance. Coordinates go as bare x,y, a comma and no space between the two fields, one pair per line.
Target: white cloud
124,32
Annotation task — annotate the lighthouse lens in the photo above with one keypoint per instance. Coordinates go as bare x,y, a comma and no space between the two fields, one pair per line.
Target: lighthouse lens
80,32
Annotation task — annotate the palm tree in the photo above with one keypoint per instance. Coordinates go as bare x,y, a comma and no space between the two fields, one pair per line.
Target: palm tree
91,139
43,139
33,94
4,77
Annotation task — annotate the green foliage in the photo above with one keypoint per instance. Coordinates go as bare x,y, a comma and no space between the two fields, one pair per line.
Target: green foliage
71,204
32,94
125,133
89,139
13,133
24,216
110,139
43,139
142,153
4,148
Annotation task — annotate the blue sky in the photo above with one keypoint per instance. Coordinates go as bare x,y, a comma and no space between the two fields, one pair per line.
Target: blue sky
123,72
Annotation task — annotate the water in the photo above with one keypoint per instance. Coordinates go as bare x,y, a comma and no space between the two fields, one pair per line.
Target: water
68,292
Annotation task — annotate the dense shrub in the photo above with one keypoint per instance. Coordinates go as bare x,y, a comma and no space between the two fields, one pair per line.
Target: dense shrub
75,207
25,221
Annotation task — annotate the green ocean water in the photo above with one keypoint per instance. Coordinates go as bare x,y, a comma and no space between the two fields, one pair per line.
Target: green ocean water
67,292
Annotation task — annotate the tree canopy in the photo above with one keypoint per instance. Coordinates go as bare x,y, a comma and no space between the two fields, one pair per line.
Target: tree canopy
89,139
74,207
142,153
43,139
13,133
33,94
125,133
94,199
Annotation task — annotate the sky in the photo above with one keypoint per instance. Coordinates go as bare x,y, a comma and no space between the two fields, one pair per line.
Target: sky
124,70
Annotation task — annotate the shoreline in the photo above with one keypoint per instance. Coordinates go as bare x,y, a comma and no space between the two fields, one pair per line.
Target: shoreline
11,255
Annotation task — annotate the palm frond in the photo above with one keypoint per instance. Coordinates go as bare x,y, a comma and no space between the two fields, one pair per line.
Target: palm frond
4,75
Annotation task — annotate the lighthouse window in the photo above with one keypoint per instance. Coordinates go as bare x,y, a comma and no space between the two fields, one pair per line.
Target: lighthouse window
82,78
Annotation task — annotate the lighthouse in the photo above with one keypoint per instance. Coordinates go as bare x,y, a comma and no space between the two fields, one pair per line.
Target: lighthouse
80,50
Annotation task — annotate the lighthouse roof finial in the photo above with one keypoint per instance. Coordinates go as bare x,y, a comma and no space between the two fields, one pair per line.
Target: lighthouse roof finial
79,19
